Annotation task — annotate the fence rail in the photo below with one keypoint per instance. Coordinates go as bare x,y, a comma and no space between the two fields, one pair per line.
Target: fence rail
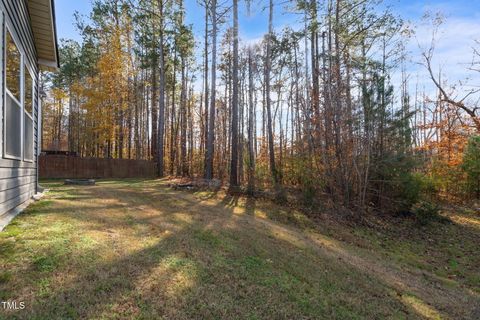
61,166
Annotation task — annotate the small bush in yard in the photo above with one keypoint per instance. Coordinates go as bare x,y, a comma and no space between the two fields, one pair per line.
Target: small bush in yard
471,165
427,212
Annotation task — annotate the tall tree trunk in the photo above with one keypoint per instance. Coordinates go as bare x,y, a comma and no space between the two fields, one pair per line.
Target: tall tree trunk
315,66
205,79
211,120
173,120
161,98
251,152
71,138
268,67
234,158
183,122
154,113
137,125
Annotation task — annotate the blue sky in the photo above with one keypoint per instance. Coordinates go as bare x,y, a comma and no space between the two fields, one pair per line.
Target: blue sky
255,25
251,26
453,51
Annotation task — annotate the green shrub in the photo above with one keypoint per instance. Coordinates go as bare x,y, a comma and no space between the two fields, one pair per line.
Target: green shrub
449,179
397,182
427,212
428,184
410,188
471,165
308,192
301,173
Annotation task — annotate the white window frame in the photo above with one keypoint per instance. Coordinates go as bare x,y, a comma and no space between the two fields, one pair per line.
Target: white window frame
25,113
8,28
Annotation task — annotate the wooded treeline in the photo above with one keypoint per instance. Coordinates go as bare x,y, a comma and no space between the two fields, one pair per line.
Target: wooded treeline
314,109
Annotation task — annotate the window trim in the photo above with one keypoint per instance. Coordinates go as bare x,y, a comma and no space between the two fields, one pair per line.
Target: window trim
25,66
5,154
7,28
14,38
26,114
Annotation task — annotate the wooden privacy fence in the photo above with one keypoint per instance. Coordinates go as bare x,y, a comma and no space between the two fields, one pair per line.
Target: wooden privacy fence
60,166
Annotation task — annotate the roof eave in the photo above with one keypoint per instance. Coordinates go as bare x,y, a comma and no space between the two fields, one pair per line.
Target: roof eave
48,65
50,61
55,34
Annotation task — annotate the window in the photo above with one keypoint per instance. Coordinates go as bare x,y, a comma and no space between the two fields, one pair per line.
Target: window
13,107
28,107
13,72
19,103
13,133
28,155
28,102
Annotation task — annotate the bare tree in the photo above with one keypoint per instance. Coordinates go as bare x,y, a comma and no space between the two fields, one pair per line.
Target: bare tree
161,97
452,99
251,152
268,68
458,102
234,149
211,119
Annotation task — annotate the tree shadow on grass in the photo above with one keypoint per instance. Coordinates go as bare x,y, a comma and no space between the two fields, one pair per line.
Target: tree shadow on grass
103,287
91,290
198,262
250,206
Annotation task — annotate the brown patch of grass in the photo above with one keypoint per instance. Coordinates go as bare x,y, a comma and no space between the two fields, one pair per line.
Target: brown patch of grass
138,249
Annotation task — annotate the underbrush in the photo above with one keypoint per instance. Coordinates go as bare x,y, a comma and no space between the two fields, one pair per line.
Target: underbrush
426,212
421,205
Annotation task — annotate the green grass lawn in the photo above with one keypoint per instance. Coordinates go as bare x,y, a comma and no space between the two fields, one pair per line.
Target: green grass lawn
137,249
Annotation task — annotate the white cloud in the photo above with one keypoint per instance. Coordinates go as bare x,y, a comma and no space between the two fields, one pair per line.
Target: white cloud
452,56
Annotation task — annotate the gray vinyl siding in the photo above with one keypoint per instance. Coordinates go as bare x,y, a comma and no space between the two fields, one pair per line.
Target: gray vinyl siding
18,179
